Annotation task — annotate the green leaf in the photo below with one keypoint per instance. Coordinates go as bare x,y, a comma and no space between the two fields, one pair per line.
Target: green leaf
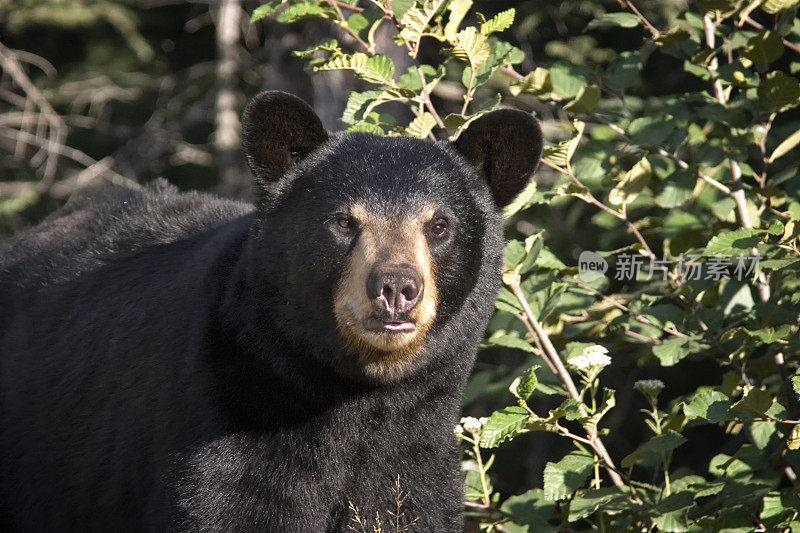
796,383
524,384
303,10
536,82
631,184
401,7
562,153
330,46
473,485
608,498
779,91
774,6
567,79
674,35
531,509
709,6
375,69
764,48
768,335
360,104
671,350
411,81
778,506
585,101
415,21
502,425
421,126
793,441
623,71
737,242
265,10
761,431
566,476
654,448
670,514
611,20
756,401
458,10
510,341
790,142
652,130
499,22
708,404
471,47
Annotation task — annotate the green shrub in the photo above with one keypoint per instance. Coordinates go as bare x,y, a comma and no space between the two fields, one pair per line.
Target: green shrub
693,211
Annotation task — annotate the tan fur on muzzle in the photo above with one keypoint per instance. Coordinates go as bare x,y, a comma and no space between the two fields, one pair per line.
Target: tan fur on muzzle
386,241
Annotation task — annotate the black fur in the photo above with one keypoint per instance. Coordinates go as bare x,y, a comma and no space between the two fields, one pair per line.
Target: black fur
171,361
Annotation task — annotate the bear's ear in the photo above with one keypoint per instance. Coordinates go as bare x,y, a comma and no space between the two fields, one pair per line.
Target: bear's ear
278,130
505,146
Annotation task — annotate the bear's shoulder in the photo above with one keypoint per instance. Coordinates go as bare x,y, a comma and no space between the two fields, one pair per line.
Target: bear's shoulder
93,229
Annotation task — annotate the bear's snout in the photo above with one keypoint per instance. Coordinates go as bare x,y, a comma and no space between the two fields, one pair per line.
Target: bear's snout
394,291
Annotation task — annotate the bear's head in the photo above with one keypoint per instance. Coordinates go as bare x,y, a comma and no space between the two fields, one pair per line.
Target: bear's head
381,254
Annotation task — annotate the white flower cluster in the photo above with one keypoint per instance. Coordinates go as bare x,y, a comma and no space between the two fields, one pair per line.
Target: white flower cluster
593,357
649,387
470,424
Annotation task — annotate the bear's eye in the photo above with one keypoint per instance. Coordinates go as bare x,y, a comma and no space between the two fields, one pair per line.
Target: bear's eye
345,222
439,226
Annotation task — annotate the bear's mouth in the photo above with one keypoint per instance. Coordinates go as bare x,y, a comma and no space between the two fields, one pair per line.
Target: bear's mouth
391,326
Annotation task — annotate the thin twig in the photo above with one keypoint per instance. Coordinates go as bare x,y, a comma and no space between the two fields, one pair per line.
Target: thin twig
566,379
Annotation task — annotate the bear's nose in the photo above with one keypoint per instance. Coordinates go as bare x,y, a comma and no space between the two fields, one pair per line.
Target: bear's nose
396,289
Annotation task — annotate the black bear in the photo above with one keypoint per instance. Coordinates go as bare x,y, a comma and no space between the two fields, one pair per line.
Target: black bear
173,361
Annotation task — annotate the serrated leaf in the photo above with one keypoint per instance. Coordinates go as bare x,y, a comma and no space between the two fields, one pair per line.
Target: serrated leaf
612,20
609,498
671,350
330,46
415,21
562,153
503,424
375,69
458,10
421,126
265,10
708,404
471,47
796,383
756,401
656,446
631,184
366,127
566,476
737,242
499,22
524,384
360,104
303,10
